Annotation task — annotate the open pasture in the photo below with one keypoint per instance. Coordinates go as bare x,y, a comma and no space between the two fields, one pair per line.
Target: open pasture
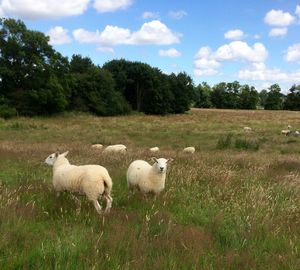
233,204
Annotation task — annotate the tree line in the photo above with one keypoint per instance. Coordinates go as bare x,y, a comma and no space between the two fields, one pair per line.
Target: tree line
37,80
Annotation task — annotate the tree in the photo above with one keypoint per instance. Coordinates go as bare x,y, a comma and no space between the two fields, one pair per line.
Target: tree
203,96
248,97
274,98
218,95
292,101
263,94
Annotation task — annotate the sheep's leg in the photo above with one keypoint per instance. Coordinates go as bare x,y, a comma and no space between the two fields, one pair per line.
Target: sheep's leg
109,200
98,207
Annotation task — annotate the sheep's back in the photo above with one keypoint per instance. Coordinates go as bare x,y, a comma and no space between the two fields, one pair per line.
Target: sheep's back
137,170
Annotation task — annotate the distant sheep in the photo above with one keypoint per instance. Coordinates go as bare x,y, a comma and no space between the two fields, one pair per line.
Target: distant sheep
286,131
247,129
154,149
148,178
97,146
116,148
190,149
293,133
92,180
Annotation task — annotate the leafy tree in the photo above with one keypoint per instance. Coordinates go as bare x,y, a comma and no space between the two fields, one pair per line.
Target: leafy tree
263,94
203,96
292,101
248,97
218,95
274,98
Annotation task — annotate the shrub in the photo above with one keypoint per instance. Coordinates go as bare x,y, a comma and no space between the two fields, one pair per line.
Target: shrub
246,144
7,111
224,142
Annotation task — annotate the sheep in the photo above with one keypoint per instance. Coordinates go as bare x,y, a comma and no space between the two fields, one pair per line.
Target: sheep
97,146
91,180
190,149
286,131
247,129
154,149
293,133
148,178
116,148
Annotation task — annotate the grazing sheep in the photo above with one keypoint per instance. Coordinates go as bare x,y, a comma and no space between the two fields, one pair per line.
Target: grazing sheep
247,129
91,180
97,146
154,149
293,133
148,178
286,131
190,149
116,148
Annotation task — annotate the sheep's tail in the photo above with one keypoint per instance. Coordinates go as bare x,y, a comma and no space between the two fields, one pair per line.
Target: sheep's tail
107,191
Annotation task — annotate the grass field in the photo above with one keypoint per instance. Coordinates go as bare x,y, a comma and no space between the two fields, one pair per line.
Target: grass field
234,204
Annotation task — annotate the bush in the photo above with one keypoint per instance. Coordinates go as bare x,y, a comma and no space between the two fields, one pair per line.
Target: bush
224,142
7,111
246,144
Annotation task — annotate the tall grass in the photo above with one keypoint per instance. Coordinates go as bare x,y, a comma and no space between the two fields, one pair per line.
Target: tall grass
230,209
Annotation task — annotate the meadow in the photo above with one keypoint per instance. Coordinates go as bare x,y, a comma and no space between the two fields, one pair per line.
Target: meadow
234,204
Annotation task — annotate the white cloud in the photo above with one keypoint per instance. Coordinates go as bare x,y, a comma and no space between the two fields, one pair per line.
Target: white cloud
262,73
150,15
177,14
279,18
276,32
234,34
207,62
153,32
106,50
297,11
256,36
111,5
169,53
292,54
239,50
41,9
58,35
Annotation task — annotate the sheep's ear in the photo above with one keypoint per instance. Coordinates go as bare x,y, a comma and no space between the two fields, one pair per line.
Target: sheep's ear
65,153
154,159
169,160
56,154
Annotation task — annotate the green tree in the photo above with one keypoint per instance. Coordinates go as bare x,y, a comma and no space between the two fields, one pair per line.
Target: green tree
274,98
292,101
203,96
263,94
248,97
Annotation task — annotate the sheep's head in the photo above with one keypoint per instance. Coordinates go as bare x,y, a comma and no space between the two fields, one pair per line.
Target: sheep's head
53,157
161,164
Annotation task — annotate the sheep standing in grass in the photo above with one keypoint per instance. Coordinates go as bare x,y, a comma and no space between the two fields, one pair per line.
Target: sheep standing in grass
154,149
247,129
116,148
91,180
148,178
286,131
190,150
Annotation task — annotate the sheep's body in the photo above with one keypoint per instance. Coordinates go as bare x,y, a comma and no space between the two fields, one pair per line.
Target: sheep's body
285,131
247,129
190,149
147,178
116,148
154,149
97,146
92,180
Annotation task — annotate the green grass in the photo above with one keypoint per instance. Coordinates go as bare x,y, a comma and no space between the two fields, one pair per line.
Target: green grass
234,204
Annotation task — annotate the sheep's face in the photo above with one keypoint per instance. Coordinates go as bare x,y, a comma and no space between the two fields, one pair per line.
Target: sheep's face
161,164
51,159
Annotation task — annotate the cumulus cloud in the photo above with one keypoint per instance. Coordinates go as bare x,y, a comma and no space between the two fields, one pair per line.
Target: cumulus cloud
41,9
58,35
169,53
279,18
153,32
234,34
111,5
298,10
207,62
106,50
292,54
277,32
177,14
150,15
240,50
262,73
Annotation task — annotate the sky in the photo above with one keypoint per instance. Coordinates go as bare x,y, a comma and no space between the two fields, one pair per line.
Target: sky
255,42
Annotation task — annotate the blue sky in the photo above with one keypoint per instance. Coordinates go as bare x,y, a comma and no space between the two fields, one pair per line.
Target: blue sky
255,42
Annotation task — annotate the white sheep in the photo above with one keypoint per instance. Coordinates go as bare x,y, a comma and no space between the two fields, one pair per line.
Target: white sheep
190,149
116,148
91,180
286,131
97,146
154,149
247,129
148,178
